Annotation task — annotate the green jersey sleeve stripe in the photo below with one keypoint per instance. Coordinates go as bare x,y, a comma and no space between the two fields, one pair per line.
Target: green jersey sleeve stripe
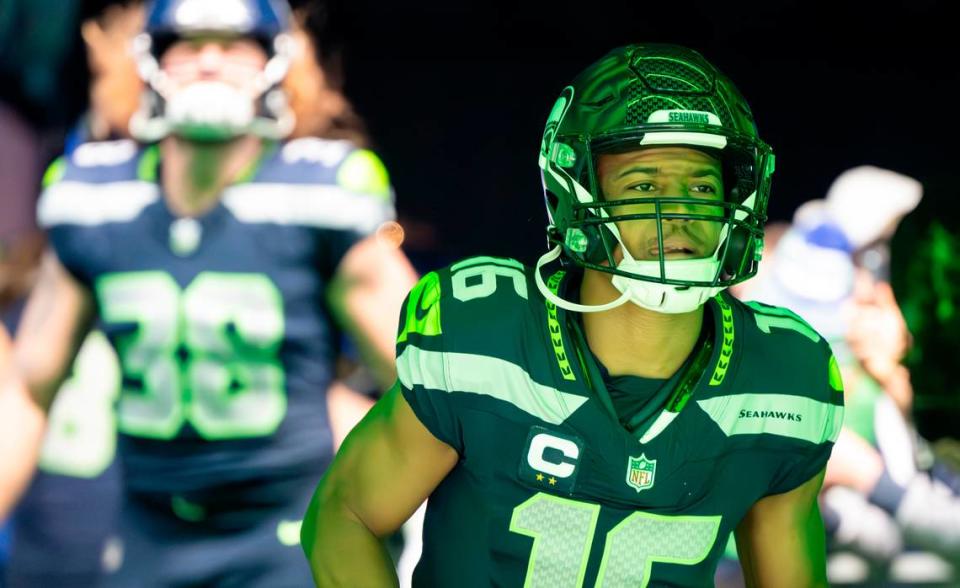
785,415
489,376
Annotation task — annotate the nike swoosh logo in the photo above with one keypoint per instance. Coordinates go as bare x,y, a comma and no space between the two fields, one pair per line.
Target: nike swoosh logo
419,311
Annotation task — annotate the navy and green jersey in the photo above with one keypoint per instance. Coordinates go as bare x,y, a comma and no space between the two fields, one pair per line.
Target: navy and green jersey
551,489
72,502
220,323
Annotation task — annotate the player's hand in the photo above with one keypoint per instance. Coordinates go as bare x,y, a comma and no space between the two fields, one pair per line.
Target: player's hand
878,334
116,87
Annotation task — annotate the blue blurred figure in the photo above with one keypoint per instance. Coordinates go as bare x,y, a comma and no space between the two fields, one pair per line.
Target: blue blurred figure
222,260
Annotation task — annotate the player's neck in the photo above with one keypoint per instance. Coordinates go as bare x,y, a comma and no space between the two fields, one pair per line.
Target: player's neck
195,174
631,340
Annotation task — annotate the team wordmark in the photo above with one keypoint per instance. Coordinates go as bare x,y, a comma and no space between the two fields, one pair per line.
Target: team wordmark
770,414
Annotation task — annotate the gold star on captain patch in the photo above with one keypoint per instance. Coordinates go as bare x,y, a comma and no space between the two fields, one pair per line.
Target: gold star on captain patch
552,480
539,477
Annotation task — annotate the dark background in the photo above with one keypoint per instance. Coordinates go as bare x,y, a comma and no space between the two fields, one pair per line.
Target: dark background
456,94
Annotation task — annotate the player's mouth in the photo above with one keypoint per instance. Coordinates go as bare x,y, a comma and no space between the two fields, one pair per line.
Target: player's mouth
675,249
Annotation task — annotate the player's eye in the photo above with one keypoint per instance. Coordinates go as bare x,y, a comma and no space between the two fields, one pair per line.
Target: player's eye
705,189
642,187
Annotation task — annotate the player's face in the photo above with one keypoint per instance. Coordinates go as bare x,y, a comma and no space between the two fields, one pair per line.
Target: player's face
677,172
232,60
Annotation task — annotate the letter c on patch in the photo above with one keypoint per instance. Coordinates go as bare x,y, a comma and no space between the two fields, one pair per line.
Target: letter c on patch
540,443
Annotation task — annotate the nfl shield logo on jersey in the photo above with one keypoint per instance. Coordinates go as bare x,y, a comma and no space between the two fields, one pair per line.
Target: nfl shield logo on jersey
185,236
640,472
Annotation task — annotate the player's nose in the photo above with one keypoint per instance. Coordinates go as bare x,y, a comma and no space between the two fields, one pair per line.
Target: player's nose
210,57
677,202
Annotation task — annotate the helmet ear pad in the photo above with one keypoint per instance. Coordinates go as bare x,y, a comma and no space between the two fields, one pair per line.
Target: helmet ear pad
740,250
742,245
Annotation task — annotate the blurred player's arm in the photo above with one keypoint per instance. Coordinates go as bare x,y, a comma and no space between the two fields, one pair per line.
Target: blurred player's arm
57,316
345,408
854,463
387,467
366,294
781,540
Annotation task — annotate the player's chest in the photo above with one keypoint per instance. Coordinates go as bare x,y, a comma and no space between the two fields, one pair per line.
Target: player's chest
687,468
222,280
206,261
605,508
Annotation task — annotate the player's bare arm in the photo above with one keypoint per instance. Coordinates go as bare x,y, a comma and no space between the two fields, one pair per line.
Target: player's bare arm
346,407
359,501
56,318
366,295
781,540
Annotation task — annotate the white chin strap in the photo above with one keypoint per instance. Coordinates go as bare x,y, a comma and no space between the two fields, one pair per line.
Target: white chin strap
548,257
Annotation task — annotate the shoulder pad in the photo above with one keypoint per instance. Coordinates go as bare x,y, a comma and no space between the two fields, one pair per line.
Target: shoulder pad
302,183
334,163
786,383
97,162
98,182
315,151
783,354
478,303
480,327
304,161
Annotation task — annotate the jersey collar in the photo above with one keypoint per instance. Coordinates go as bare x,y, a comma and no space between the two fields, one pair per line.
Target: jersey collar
699,371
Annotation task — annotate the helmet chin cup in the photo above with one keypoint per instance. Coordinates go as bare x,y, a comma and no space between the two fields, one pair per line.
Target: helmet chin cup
665,298
209,111
644,294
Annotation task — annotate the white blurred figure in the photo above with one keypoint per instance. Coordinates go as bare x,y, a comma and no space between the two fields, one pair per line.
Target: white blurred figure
831,267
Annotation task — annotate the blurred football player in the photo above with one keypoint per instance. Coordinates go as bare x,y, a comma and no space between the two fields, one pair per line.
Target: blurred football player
612,421
220,260
884,489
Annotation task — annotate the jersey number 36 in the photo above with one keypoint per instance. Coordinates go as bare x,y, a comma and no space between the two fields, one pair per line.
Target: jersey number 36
205,354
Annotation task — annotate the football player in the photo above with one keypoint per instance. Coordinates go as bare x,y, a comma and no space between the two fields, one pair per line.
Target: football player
611,421
221,261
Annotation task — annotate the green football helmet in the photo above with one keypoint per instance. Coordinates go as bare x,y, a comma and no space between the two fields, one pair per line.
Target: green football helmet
641,96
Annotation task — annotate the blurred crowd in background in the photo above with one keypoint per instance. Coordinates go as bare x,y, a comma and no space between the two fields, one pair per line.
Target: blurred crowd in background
883,286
